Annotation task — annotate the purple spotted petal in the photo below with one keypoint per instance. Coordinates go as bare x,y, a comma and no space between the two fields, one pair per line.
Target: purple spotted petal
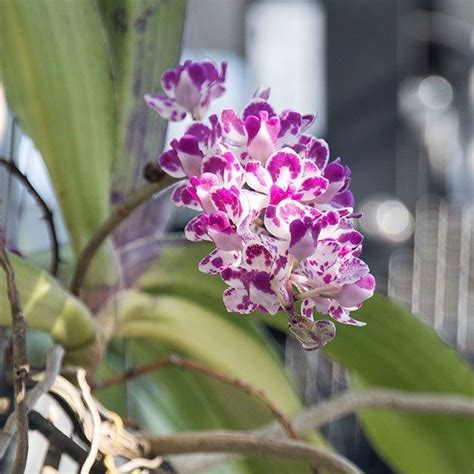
258,177
190,87
169,79
201,188
196,229
307,306
183,196
325,256
262,133
206,136
344,199
257,256
318,152
237,300
312,187
342,315
229,201
261,292
236,278
221,231
189,153
226,167
278,218
167,107
352,270
353,295
187,91
234,128
303,237
171,164
337,176
293,124
218,260
285,167
257,106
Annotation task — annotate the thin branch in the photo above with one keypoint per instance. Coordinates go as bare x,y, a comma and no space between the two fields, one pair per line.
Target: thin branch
20,363
194,366
347,403
47,213
118,215
54,359
343,405
249,444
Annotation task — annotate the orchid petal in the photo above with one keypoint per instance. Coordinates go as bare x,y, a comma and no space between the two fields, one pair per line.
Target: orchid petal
167,107
217,260
284,166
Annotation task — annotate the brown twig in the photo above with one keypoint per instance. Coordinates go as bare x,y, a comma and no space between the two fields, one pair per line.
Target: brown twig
249,444
347,403
187,364
20,363
47,213
118,215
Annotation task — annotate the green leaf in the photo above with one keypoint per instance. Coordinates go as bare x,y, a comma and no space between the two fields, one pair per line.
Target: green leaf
145,39
57,76
48,307
179,326
394,350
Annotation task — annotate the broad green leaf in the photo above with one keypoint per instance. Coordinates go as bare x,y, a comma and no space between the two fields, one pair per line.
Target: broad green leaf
169,400
145,39
48,307
394,350
174,325
58,81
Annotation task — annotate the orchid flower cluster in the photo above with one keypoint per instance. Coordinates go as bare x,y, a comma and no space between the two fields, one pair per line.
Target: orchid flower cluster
278,211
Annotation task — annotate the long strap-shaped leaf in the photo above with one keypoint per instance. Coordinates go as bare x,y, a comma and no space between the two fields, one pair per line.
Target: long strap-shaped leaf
57,75
394,350
178,326
145,39
48,307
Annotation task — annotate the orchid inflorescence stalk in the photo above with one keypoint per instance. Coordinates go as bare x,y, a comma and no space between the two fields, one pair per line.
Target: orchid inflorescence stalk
278,211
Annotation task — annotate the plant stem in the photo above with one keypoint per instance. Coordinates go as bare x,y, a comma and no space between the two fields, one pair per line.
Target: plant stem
20,363
119,214
249,444
194,366
347,403
47,213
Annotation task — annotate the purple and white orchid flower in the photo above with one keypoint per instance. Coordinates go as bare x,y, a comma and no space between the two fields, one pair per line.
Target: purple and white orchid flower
278,211
189,88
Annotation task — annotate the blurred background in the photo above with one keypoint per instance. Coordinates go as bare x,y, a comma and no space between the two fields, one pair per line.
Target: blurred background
392,82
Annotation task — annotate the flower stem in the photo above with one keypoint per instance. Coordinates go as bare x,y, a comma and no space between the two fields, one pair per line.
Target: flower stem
194,366
118,215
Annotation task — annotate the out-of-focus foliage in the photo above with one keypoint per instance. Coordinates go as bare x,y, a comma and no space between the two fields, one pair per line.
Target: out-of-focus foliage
58,82
75,74
163,325
394,350
47,306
